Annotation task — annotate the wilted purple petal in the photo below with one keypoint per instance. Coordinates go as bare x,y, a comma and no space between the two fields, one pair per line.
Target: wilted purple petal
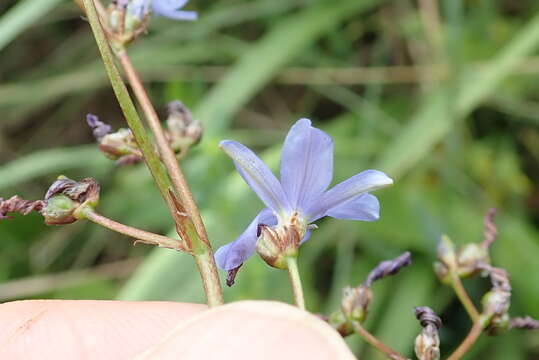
233,254
306,163
257,175
365,181
171,9
99,128
364,207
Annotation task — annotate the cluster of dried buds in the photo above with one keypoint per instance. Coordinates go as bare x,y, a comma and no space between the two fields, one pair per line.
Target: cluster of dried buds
469,259
64,202
356,300
183,132
474,259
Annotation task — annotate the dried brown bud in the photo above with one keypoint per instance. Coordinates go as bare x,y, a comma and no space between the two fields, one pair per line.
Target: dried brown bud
355,302
388,268
524,323
183,131
427,343
17,205
86,190
65,197
120,144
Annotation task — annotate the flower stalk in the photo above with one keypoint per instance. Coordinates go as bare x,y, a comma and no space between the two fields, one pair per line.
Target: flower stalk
295,280
470,339
463,296
173,192
140,235
374,341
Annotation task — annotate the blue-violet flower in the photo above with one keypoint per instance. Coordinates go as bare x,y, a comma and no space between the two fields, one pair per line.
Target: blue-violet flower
299,199
167,8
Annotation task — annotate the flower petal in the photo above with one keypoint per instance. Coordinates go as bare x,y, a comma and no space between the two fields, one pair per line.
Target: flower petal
364,207
365,181
170,9
257,175
306,164
233,254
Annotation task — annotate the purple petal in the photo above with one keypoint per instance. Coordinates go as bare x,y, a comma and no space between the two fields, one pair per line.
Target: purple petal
364,207
365,181
258,176
170,9
306,164
306,237
233,254
139,8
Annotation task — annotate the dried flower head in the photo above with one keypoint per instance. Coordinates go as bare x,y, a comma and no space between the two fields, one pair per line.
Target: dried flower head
65,197
119,145
427,343
183,130
355,302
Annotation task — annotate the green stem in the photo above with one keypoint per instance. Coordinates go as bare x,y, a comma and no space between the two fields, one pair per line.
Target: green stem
374,341
128,108
463,297
210,278
203,251
144,236
467,343
295,280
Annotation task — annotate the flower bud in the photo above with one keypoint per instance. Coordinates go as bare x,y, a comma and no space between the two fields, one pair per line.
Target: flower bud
341,323
497,301
119,144
355,302
183,131
447,259
59,210
427,343
496,306
468,258
65,198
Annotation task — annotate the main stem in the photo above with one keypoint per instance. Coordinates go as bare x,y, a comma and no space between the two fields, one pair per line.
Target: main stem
167,155
201,248
467,343
204,259
374,341
463,297
138,234
295,280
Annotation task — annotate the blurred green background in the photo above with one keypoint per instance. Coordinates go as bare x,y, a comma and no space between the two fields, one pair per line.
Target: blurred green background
442,95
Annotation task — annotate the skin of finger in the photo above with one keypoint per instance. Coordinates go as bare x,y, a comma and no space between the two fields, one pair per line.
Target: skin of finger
247,330
78,329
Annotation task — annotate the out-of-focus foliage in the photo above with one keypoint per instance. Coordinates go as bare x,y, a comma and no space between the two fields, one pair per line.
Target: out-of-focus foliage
449,109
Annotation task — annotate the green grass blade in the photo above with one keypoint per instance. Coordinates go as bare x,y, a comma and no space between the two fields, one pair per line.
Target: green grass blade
22,16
